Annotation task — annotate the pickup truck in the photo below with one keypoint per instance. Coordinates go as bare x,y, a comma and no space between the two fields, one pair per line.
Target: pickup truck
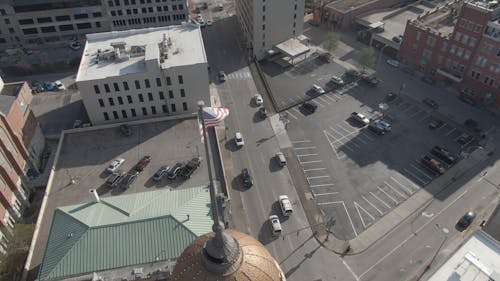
190,167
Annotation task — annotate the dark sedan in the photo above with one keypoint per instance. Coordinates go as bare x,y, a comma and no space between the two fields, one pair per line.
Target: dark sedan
143,163
246,177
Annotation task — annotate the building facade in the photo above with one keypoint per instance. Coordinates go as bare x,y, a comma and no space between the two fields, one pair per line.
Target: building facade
267,23
21,146
28,24
468,57
136,74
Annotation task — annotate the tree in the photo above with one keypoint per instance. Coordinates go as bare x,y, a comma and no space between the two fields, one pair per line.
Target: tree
16,250
366,58
331,41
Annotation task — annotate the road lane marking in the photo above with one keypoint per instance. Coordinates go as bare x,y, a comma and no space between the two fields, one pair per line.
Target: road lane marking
451,131
395,190
345,208
324,194
371,204
382,201
415,176
315,169
413,234
307,162
321,185
386,194
402,186
305,147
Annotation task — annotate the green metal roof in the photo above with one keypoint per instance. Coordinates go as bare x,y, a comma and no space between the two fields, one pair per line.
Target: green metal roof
124,230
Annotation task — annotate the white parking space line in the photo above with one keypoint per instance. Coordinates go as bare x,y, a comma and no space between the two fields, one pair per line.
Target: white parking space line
305,155
415,114
330,98
416,177
361,140
348,216
366,136
339,142
465,145
296,110
408,109
324,100
451,131
305,147
396,190
318,177
338,133
406,179
315,169
390,197
348,132
381,201
371,204
291,115
301,141
445,126
308,162
402,186
424,118
425,174
340,155
322,185
357,206
318,103
324,194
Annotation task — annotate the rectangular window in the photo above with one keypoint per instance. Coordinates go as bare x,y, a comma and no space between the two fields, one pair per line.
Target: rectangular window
457,37
452,49
467,54
62,18
101,102
171,94
162,96
158,82
150,96
137,85
465,38
133,112
129,99
111,101
183,94
66,27
417,36
146,81
164,108
106,88
81,16
115,115
168,81
172,106
106,116
28,31
472,42
125,86
120,100
444,47
97,15
181,80
115,85
124,113
96,89
85,25
184,106
153,110
141,98
144,111
44,20
26,21
48,29
460,51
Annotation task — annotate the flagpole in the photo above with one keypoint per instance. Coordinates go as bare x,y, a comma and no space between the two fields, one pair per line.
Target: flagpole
211,186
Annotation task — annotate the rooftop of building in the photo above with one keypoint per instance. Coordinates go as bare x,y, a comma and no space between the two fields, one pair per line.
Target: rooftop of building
118,53
477,259
120,231
81,162
8,94
347,5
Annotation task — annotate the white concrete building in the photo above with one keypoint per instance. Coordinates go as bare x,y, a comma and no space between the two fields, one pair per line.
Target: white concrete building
266,23
136,74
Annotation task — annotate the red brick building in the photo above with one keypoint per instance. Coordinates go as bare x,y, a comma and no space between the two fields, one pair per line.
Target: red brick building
466,57
21,146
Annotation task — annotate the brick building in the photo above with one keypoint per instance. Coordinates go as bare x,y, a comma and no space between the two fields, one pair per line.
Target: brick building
21,146
466,57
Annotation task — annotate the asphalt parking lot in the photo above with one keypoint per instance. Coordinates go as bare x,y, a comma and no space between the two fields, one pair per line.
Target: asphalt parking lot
85,155
357,176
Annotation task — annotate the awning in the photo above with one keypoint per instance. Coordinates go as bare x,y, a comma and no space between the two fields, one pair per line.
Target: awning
449,75
293,47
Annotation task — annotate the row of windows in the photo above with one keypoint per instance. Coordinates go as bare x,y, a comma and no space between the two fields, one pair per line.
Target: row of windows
60,28
145,112
130,100
135,11
487,80
59,18
134,2
137,83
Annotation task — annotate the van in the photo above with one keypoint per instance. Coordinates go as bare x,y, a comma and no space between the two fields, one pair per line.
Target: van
286,205
280,157
377,129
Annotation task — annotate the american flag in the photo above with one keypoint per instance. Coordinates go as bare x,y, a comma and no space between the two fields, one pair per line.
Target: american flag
212,116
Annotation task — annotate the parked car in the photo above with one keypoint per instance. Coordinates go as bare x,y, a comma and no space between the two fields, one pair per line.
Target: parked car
392,62
246,178
125,130
263,112
352,73
286,205
174,171
36,87
114,178
59,85
190,167
436,123
49,86
370,81
443,155
337,80
139,167
128,179
280,157
113,166
467,99
309,107
390,97
317,89
397,39
221,76
428,80
258,99
275,224
383,124
163,170
433,165
431,103
466,219
77,124
238,138
464,139
360,118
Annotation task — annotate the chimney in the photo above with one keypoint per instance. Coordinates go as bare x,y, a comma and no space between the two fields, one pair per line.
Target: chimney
94,197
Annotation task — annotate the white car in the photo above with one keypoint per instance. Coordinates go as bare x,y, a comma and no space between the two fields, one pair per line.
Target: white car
360,118
60,86
286,205
258,99
239,139
337,80
394,63
318,89
275,224
113,166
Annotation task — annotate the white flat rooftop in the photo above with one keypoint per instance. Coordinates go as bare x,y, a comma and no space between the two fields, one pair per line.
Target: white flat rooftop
138,46
293,47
